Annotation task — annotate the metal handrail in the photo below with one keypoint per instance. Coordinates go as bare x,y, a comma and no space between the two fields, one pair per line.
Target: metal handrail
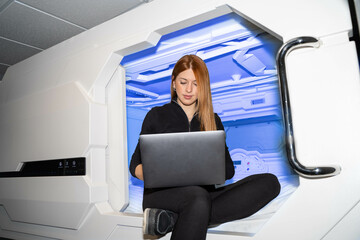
308,172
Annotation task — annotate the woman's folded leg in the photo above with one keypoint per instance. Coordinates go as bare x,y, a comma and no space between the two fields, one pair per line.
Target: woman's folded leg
243,198
192,205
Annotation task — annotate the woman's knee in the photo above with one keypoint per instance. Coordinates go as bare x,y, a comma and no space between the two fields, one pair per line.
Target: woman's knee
197,199
272,184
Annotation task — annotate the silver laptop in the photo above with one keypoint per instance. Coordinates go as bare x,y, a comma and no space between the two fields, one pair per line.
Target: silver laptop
183,159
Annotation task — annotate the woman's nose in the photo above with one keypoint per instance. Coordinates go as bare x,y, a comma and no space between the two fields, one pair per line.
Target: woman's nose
188,87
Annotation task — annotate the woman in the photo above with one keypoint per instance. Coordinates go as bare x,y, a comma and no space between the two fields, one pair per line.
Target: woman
188,211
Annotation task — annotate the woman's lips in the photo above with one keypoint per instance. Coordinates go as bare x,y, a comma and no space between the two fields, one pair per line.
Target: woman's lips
187,97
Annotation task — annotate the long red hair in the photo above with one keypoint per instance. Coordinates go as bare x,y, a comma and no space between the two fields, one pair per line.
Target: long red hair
204,102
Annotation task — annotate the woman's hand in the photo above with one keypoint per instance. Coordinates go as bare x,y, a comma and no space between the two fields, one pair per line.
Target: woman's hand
139,172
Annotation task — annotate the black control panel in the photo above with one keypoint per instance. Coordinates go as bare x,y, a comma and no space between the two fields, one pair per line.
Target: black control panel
46,168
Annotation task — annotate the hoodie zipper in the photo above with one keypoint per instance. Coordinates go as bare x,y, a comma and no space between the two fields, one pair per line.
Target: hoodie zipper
187,120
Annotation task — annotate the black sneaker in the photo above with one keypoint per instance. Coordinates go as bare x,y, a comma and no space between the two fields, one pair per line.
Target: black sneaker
158,222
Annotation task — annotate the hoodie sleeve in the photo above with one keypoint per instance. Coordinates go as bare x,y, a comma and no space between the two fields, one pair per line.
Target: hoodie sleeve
229,167
147,128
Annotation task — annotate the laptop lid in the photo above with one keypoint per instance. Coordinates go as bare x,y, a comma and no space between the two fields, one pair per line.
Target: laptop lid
183,159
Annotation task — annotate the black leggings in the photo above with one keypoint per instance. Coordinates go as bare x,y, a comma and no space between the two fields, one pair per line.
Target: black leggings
197,207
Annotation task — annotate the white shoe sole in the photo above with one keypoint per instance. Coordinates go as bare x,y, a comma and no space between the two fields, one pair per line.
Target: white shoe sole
145,221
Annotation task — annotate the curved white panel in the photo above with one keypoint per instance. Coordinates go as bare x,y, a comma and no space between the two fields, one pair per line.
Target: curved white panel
52,201
51,124
117,171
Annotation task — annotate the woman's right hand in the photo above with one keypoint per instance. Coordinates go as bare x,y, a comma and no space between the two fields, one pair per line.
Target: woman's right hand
139,172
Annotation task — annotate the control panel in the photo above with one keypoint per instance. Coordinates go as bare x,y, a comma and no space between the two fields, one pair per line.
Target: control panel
56,167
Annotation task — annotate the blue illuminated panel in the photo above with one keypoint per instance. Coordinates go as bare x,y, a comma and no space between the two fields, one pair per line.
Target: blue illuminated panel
241,62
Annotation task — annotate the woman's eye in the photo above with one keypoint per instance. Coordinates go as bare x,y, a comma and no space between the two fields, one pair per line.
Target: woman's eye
182,83
195,84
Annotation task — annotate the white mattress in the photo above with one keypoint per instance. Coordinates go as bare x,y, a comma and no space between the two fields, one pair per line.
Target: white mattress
247,226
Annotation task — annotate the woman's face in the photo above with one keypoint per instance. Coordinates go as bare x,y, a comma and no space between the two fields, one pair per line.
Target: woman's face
186,88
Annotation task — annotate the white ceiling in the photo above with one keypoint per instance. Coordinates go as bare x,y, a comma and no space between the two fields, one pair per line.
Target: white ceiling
28,27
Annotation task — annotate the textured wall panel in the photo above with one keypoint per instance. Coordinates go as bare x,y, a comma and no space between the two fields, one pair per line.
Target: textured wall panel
82,12
12,52
34,27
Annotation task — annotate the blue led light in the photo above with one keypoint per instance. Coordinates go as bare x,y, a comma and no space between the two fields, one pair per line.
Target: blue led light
241,62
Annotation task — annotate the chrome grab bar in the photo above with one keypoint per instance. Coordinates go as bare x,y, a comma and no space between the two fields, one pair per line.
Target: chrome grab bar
308,172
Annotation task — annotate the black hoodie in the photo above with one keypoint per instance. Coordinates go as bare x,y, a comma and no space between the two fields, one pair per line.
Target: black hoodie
171,118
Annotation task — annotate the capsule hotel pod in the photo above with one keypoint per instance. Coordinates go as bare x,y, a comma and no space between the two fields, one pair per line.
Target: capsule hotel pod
70,118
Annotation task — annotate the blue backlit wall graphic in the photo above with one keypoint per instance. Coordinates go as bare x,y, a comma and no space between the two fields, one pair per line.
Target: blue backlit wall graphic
241,62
